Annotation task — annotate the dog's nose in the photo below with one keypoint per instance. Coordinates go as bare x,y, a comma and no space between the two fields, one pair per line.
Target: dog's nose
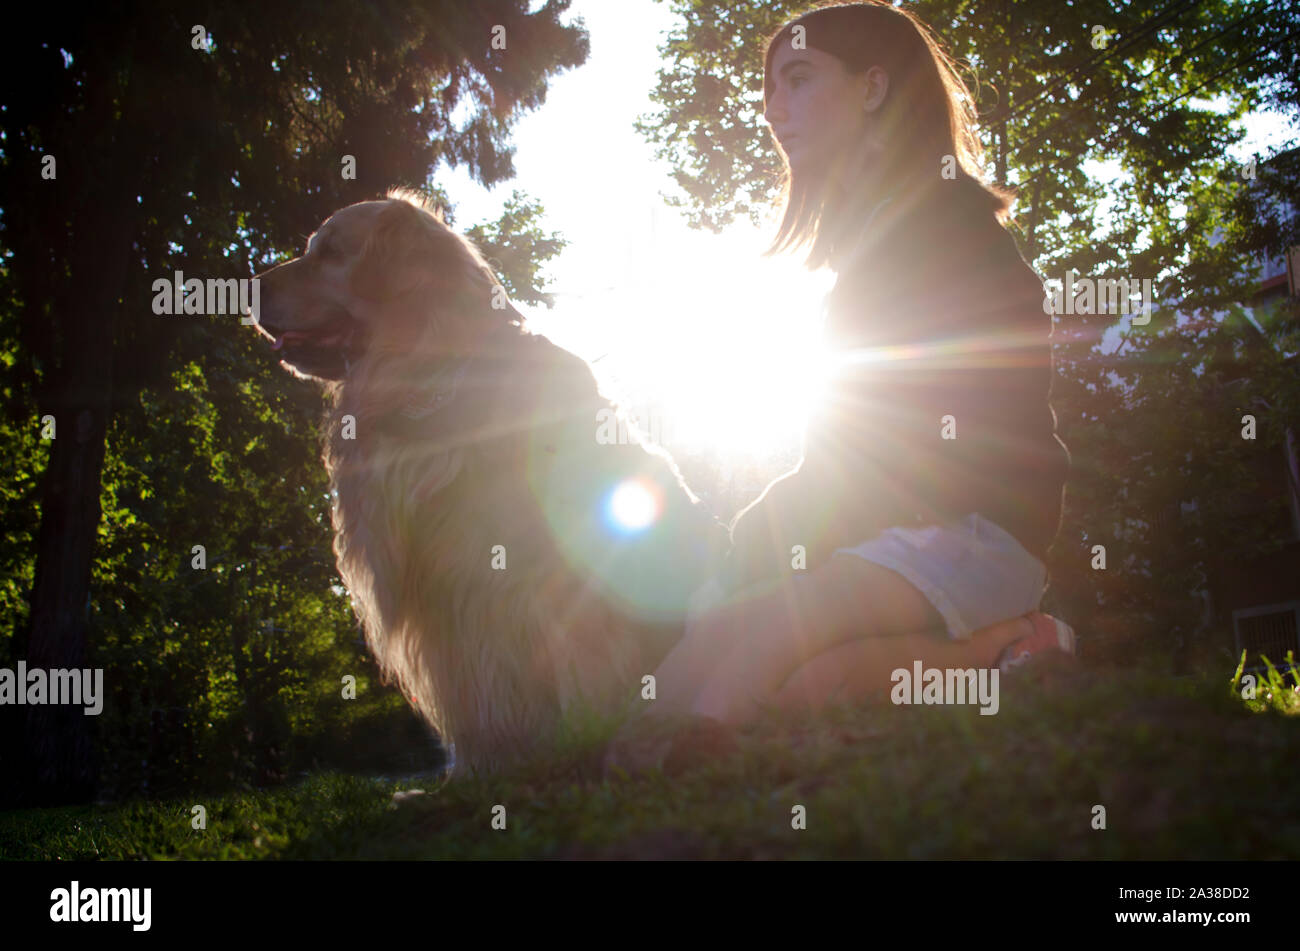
253,313
261,312
269,333
262,319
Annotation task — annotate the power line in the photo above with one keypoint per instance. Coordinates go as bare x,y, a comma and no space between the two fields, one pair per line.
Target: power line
1113,97
1092,106
1103,55
1235,66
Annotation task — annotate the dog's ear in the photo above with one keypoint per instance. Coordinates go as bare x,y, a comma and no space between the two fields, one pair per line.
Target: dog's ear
398,256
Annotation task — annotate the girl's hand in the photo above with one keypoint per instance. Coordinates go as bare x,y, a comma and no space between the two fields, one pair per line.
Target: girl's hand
707,641
752,674
727,657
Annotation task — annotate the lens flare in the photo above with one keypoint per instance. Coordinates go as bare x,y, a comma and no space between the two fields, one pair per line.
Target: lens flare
633,506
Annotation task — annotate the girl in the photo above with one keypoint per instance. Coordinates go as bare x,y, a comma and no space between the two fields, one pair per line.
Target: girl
932,479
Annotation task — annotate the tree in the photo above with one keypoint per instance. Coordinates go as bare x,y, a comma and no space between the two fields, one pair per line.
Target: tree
136,145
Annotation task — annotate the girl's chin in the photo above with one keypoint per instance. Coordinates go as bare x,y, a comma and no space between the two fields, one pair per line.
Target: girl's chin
806,163
799,159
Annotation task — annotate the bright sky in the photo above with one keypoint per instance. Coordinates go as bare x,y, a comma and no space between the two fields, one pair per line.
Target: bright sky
702,323
698,320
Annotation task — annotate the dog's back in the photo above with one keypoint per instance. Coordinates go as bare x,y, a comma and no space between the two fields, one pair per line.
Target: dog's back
515,587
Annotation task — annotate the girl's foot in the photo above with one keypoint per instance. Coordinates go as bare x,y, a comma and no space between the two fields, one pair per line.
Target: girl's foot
1048,636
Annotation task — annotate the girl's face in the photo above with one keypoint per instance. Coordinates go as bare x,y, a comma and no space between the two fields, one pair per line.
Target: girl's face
818,110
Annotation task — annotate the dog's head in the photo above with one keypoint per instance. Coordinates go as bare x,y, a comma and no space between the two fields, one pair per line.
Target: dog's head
378,276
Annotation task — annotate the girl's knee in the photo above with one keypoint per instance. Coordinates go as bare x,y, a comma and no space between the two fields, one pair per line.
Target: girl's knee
842,673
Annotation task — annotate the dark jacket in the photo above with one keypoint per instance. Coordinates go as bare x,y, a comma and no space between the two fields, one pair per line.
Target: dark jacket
939,324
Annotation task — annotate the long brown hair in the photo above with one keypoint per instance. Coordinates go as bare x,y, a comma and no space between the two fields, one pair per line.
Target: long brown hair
928,113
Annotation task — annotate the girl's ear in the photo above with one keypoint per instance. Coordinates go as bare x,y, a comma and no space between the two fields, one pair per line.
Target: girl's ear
397,257
875,86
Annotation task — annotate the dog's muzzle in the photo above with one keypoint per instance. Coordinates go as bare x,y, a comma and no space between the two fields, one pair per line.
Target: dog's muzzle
325,350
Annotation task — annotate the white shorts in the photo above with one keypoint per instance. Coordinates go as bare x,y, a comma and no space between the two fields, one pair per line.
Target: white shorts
972,570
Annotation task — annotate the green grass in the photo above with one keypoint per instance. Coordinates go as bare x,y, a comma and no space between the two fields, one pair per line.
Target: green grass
1185,768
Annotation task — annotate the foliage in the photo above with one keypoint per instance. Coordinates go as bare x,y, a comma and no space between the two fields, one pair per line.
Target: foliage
1274,693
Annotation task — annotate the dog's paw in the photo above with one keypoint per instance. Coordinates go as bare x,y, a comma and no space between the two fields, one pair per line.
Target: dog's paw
635,749
671,744
406,797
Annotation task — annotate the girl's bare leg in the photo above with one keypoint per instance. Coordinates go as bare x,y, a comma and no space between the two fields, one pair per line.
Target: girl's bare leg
845,625
861,667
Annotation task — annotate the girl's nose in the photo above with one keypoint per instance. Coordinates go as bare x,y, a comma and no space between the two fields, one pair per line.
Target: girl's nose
774,110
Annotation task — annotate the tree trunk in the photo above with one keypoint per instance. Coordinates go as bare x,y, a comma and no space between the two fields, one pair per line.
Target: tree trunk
1031,243
57,738
56,761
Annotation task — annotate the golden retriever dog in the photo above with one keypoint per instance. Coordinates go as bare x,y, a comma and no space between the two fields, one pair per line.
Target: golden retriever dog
510,552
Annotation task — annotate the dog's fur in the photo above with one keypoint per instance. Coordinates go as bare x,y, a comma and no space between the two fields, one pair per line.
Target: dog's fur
453,431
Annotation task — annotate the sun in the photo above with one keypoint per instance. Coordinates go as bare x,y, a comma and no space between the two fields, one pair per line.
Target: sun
721,349
755,402
703,341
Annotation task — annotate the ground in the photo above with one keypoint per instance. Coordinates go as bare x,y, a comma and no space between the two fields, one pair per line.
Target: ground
1182,767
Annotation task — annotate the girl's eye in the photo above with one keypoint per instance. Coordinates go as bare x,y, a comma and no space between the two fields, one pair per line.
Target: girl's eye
795,81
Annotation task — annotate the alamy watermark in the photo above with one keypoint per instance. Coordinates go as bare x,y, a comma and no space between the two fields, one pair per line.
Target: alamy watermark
617,428
84,688
947,686
78,904
176,295
1090,295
